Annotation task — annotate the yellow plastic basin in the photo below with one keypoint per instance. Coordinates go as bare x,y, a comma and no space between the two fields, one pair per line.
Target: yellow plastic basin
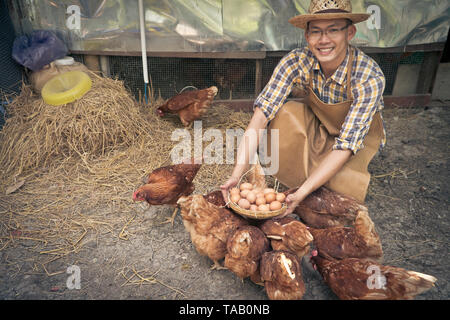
66,87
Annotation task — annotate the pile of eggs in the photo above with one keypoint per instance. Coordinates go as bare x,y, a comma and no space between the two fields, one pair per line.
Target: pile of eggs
255,199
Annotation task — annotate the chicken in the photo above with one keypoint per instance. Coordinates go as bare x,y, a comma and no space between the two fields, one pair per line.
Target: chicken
216,198
244,250
288,234
167,184
282,275
356,279
324,208
362,241
189,105
209,226
229,74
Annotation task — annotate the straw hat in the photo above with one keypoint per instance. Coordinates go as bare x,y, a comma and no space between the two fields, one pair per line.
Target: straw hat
328,9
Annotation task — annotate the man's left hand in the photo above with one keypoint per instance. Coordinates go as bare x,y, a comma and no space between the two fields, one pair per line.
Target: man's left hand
292,202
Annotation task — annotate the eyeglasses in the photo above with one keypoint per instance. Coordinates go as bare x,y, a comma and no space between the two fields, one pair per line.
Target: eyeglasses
331,33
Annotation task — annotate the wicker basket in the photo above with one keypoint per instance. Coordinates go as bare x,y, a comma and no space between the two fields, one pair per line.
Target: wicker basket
259,215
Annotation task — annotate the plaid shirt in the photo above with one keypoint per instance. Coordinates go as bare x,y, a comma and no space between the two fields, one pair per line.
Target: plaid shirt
367,83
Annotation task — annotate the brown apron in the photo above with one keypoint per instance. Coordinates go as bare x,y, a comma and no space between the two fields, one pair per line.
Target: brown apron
307,132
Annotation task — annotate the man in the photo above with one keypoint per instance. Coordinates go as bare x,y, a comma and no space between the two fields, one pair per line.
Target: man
331,138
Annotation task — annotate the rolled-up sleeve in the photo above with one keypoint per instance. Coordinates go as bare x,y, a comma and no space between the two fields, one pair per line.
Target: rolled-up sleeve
280,84
367,96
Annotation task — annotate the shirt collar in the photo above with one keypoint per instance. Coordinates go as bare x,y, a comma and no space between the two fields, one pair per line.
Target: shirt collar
340,74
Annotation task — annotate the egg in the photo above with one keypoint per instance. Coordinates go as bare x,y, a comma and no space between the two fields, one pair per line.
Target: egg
244,204
275,205
251,197
234,191
246,186
235,198
270,197
260,200
257,190
280,197
253,207
268,190
259,194
263,207
244,193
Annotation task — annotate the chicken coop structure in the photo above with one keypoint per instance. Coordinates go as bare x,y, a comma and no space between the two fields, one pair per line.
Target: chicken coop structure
230,44
243,77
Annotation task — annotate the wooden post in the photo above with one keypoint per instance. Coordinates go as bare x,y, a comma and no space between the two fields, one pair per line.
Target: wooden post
258,77
104,65
92,63
428,71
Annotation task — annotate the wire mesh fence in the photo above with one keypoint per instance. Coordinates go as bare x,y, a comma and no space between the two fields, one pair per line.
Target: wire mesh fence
235,78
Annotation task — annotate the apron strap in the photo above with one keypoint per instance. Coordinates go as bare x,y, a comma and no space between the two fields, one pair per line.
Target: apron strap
349,74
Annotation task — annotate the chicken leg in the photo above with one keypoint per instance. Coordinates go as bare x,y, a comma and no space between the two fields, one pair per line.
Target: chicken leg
172,218
217,266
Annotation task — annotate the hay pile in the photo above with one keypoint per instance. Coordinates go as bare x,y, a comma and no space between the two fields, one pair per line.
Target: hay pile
68,172
38,134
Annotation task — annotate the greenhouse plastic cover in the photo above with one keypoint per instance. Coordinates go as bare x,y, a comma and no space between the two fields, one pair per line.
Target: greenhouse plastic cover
220,26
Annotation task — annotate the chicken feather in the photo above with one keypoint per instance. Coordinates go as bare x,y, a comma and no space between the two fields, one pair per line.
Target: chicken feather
349,279
189,105
244,250
282,275
325,208
167,184
288,234
209,226
361,241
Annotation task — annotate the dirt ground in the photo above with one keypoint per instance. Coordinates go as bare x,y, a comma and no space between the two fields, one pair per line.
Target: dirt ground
408,200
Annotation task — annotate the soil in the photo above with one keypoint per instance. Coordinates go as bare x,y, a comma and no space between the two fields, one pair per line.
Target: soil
408,201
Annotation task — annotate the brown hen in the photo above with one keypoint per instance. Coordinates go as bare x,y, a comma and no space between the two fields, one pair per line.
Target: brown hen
244,250
209,226
282,275
189,105
324,208
356,279
167,184
288,234
215,197
360,241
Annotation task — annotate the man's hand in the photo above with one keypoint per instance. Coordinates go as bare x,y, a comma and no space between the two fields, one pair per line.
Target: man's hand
292,201
230,183
331,164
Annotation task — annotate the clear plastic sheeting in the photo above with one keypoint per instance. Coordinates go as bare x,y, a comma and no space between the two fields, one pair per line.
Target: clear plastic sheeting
220,26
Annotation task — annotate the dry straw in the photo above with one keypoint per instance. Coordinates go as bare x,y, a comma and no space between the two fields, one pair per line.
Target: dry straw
70,170
38,134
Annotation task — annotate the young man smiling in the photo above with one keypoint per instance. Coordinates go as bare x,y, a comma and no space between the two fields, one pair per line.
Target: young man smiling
331,138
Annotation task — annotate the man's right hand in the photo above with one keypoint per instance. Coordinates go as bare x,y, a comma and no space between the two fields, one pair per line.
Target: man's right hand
230,183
